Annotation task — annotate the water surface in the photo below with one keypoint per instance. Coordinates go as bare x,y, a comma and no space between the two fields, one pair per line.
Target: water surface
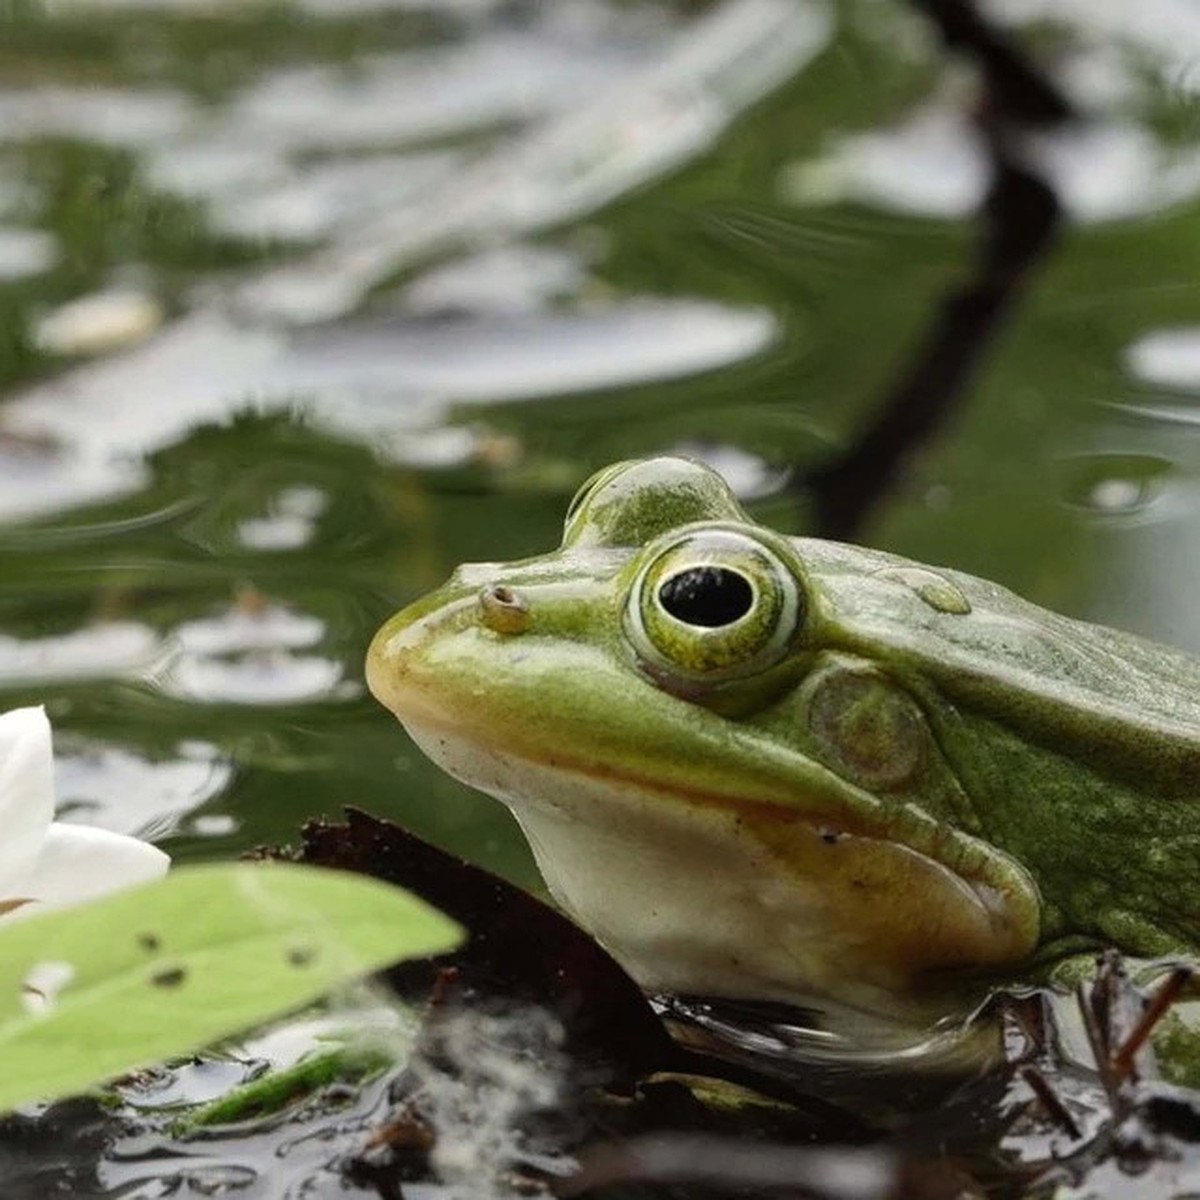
301,305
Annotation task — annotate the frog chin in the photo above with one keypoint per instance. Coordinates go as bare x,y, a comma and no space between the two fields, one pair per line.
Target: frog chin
715,899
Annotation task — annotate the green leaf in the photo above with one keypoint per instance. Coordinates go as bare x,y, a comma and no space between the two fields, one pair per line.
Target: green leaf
163,969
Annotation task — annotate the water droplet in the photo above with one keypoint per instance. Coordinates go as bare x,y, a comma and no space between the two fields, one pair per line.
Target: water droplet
936,590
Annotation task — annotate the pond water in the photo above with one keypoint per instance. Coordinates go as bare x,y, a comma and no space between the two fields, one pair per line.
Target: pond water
301,304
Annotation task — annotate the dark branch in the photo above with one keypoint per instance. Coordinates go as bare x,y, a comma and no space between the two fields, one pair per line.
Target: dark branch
1018,223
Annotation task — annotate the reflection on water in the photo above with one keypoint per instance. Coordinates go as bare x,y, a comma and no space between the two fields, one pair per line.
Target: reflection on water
258,677
291,331
107,650
584,207
115,788
1105,167
1168,29
249,655
1128,486
24,252
220,723
1168,358
619,138
367,378
289,523
933,165
139,119
98,323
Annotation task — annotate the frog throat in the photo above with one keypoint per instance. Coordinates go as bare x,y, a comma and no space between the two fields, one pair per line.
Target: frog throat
793,910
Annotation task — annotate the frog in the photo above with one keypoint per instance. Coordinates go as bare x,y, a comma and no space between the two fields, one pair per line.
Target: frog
784,769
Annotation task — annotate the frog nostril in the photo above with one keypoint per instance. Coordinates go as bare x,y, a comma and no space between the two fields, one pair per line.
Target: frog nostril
502,609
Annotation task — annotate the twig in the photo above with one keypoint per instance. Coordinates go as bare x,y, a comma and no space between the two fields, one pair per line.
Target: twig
1122,1062
1050,1101
1019,220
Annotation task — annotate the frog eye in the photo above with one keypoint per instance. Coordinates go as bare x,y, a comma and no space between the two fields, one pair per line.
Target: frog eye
712,605
632,503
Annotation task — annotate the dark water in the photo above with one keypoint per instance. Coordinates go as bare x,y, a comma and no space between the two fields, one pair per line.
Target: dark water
374,285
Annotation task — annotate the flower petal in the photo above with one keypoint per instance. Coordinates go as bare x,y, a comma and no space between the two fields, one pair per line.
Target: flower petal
79,863
26,792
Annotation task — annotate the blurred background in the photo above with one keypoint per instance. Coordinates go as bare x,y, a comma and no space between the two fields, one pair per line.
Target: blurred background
302,304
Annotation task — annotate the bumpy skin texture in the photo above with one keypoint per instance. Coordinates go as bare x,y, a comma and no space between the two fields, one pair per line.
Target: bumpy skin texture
786,768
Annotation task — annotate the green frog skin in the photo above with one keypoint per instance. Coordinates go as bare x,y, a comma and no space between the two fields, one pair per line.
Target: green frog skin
782,768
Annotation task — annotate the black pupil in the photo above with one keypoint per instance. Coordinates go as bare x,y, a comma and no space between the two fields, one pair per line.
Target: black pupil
707,596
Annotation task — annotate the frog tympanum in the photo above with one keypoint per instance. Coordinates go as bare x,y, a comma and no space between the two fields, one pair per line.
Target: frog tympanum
783,768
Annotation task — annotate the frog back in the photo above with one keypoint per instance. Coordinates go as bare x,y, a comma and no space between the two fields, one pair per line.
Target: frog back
1121,703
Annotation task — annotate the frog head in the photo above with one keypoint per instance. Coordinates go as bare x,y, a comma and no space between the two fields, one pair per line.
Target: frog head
783,768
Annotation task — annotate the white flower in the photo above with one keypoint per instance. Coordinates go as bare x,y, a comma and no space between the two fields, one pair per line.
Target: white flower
45,863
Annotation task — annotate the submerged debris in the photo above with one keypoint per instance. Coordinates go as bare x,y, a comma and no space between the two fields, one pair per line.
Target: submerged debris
1139,1134
544,1068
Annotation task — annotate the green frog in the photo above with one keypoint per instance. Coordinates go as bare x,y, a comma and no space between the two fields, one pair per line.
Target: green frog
786,769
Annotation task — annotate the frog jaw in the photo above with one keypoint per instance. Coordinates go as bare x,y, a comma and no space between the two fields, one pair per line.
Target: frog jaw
700,895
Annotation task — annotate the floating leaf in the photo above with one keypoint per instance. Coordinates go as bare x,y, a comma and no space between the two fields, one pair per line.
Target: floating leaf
163,969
